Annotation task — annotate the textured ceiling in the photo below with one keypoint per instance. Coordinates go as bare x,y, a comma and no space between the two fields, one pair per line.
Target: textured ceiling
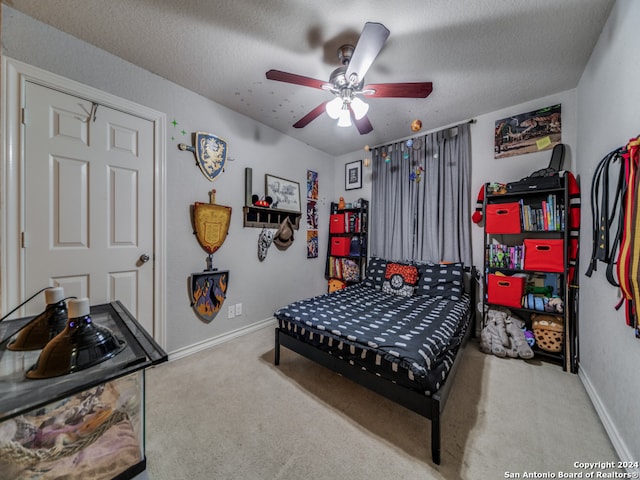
481,55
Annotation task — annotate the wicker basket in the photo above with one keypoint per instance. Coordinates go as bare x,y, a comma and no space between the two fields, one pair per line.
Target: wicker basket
549,332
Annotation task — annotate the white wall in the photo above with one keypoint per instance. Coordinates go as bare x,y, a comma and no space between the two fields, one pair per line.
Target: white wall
486,168
601,114
608,116
284,276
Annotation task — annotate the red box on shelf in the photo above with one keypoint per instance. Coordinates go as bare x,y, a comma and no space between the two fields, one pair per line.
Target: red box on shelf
340,246
336,223
503,218
504,290
544,255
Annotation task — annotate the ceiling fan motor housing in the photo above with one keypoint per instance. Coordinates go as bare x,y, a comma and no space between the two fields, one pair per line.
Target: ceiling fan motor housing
344,54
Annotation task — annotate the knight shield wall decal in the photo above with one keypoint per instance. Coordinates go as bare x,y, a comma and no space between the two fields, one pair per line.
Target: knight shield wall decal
211,223
210,152
208,290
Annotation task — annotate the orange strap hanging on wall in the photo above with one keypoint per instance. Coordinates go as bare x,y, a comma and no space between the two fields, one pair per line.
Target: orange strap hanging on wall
619,249
631,264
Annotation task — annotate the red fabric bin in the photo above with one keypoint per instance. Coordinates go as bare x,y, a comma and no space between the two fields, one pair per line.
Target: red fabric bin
336,223
504,290
503,218
340,246
544,255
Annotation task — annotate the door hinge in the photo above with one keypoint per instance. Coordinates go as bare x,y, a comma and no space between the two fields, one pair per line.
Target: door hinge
23,241
23,116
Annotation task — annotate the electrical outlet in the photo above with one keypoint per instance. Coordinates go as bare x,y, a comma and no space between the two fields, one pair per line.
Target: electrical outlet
232,312
238,309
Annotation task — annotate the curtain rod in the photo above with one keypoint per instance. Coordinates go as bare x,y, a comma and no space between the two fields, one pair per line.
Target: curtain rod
473,120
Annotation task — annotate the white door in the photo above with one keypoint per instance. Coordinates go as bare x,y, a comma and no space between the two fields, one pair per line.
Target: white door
88,201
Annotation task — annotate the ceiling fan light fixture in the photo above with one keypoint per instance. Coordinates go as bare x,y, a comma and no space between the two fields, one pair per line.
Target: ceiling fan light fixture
344,120
359,108
348,81
334,107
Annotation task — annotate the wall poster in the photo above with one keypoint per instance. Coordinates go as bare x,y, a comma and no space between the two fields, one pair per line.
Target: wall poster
312,214
312,243
528,132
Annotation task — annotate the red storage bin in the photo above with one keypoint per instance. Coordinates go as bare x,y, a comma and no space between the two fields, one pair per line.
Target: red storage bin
504,290
503,218
336,223
340,246
544,255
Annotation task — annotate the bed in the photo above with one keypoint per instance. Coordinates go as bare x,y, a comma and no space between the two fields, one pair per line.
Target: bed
400,332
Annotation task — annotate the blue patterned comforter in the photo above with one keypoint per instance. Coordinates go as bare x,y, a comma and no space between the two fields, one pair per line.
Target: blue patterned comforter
415,332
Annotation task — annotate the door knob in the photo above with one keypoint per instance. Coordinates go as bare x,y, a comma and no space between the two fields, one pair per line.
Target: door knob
144,258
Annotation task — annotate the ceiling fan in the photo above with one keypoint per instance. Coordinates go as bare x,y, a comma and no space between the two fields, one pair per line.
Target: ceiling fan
347,82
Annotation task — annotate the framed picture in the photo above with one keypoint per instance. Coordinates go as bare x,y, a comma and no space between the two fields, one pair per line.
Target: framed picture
285,193
353,175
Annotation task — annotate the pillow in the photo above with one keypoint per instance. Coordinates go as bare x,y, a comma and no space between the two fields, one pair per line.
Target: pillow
441,280
374,275
400,279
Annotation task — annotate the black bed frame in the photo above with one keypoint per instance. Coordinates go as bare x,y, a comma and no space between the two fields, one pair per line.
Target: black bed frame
430,407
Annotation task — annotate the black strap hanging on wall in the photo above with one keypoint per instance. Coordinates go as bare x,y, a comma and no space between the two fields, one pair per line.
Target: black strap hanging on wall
604,245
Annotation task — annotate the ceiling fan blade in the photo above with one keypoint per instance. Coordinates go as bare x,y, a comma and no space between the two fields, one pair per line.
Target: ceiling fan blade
312,115
363,125
367,49
295,79
399,90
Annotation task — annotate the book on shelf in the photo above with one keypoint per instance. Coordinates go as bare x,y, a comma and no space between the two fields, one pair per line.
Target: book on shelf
548,216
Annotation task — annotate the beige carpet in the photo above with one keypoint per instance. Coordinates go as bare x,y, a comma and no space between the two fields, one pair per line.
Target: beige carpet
229,413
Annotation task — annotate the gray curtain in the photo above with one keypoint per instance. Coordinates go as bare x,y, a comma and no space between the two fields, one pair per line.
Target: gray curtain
420,199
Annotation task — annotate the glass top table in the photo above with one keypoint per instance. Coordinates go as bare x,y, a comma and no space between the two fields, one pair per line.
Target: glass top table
19,394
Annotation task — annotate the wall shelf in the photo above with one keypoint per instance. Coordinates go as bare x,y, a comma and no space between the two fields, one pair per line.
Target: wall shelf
264,217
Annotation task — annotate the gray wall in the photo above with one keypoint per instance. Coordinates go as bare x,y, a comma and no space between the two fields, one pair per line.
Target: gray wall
485,168
284,276
608,116
601,114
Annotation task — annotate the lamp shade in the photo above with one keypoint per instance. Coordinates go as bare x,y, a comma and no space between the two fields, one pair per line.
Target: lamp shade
359,108
82,344
333,107
344,120
44,326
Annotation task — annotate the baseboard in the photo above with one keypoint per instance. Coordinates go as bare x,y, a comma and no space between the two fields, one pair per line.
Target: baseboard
617,441
220,339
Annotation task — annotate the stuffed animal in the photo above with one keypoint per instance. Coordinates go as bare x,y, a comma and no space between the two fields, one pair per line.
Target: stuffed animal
519,345
531,339
503,335
555,305
493,337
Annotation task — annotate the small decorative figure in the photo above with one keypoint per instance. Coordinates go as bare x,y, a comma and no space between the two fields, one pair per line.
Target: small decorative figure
341,203
416,125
